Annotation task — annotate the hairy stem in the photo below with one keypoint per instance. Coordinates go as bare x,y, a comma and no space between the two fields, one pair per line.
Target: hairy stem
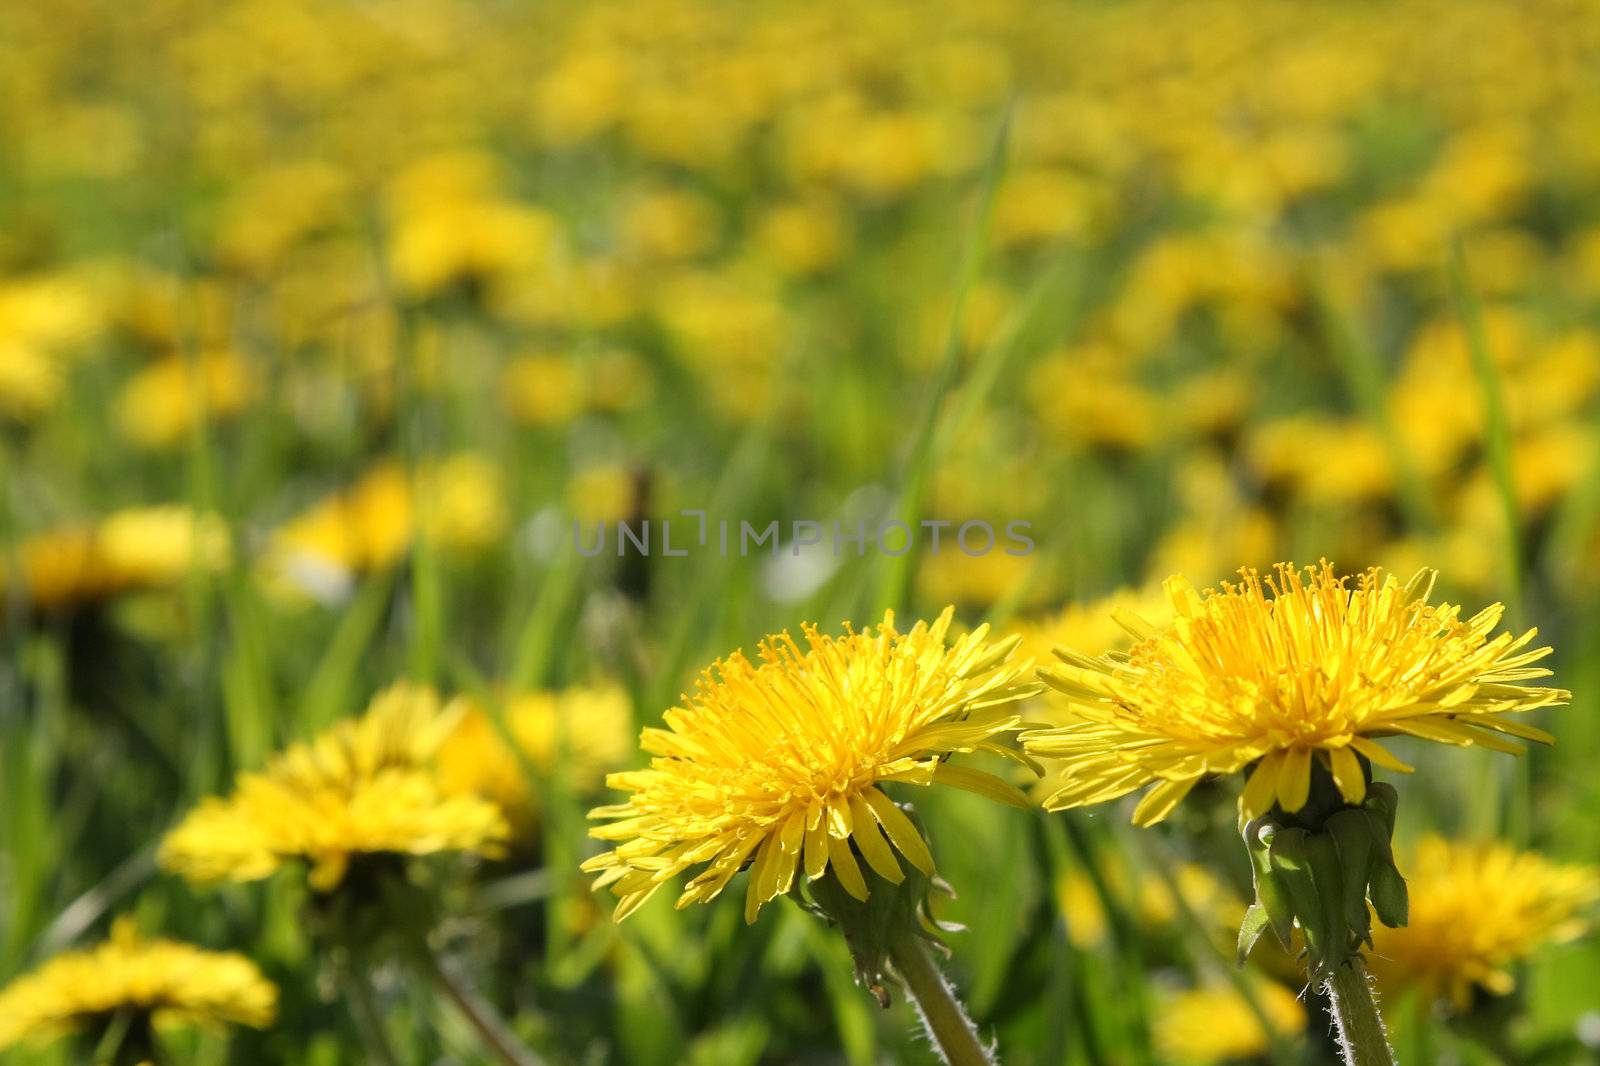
1355,1014
946,1019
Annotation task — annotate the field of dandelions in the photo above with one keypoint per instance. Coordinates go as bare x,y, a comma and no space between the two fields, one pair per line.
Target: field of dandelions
1274,328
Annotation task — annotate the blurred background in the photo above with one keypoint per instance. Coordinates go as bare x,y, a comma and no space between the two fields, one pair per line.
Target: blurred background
322,321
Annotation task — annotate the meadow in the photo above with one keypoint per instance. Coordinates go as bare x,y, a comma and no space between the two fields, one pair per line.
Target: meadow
348,349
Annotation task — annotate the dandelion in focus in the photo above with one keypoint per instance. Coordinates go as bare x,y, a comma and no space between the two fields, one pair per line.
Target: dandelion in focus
782,765
783,761
1292,688
1313,672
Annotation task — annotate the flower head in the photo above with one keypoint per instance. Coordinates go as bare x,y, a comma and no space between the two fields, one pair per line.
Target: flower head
170,982
1476,909
1316,670
782,761
366,786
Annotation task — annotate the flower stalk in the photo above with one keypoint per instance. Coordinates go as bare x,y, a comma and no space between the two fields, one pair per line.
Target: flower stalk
891,932
492,1030
942,1013
1362,1038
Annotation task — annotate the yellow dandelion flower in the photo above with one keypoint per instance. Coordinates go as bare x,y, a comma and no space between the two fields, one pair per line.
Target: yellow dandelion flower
783,761
458,501
1476,909
589,730
166,981
160,406
1316,670
132,549
366,786
1217,1024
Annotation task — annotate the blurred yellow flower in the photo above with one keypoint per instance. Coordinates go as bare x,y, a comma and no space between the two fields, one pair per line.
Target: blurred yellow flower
1116,413
165,982
952,576
133,549
604,492
803,236
274,210
670,224
43,321
367,786
1148,899
1315,671
451,225
1322,460
1477,909
459,502
1043,205
582,733
30,380
542,390
782,762
164,402
1217,1024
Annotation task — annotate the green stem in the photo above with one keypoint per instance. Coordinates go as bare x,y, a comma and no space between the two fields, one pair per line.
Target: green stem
368,1019
496,1035
942,1013
1355,1015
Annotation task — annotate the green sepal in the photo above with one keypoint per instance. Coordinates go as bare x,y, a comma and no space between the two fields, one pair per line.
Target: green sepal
1291,866
1255,923
1389,897
1352,835
1322,855
1383,800
1271,895
1385,886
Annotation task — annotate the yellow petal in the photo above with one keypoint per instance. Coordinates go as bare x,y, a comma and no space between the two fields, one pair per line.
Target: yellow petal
762,878
845,868
1159,801
1379,755
1346,769
816,849
1294,779
873,847
984,784
902,831
1256,799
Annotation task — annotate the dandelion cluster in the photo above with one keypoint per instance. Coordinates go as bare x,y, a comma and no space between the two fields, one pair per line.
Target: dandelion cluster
325,324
